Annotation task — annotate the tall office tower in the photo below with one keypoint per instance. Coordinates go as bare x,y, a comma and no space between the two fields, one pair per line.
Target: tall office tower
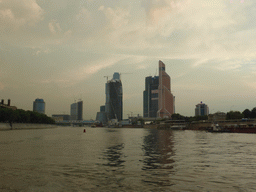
201,109
73,111
102,115
165,97
39,106
80,110
114,98
76,111
150,97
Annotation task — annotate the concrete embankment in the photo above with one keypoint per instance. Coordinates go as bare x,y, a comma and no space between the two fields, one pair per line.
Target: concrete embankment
7,126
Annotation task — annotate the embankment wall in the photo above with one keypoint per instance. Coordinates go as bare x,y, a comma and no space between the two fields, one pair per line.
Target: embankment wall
7,126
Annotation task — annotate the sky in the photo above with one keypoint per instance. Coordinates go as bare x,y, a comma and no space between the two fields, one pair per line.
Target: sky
60,51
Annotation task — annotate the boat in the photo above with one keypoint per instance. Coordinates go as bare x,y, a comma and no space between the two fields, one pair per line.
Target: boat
215,127
241,128
97,125
234,128
113,123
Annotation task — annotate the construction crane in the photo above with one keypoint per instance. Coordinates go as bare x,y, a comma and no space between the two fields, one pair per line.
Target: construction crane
107,77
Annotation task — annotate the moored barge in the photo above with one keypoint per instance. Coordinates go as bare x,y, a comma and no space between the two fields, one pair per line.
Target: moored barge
235,128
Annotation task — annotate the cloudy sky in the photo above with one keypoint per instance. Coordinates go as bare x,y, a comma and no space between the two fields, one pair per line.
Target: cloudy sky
60,50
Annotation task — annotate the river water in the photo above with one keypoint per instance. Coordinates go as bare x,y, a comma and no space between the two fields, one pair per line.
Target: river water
108,159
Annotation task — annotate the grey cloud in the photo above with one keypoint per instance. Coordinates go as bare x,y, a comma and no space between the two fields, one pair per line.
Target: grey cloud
17,13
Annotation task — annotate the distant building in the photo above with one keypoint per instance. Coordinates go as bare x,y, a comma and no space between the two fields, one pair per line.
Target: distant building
102,115
201,109
102,108
39,106
73,111
80,110
150,97
8,105
76,111
114,98
61,117
165,97
218,116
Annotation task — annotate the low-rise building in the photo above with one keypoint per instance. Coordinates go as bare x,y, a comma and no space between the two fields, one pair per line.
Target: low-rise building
218,116
8,105
61,117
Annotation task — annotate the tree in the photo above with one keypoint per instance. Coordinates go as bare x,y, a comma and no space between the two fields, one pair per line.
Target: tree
253,113
234,115
7,115
247,113
24,116
21,116
177,116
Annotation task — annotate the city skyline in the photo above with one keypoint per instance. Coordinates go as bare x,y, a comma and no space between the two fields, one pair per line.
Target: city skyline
61,50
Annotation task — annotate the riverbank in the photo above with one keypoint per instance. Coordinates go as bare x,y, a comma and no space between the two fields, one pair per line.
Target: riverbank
7,126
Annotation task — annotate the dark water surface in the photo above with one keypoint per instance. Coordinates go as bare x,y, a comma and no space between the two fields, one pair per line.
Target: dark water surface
106,159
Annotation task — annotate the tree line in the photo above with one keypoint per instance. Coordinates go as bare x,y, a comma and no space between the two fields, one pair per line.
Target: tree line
177,116
245,114
230,115
22,116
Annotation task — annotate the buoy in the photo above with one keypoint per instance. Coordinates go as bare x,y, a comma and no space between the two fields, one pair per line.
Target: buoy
84,130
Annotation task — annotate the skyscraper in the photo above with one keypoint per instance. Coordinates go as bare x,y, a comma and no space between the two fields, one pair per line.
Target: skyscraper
73,111
102,115
39,106
201,109
80,110
114,98
150,97
165,97
76,111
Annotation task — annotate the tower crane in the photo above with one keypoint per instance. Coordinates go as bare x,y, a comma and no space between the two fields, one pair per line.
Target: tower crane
107,77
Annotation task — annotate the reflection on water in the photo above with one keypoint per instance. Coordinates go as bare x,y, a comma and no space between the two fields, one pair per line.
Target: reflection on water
66,159
158,158
158,150
114,155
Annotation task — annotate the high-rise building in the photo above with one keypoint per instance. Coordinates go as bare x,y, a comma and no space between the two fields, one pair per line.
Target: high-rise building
165,97
39,106
73,111
76,111
80,110
114,98
150,97
102,115
61,117
201,109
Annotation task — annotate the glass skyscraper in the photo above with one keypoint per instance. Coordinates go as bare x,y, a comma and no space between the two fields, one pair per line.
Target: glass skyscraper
201,109
150,97
76,111
39,106
158,101
165,97
114,98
